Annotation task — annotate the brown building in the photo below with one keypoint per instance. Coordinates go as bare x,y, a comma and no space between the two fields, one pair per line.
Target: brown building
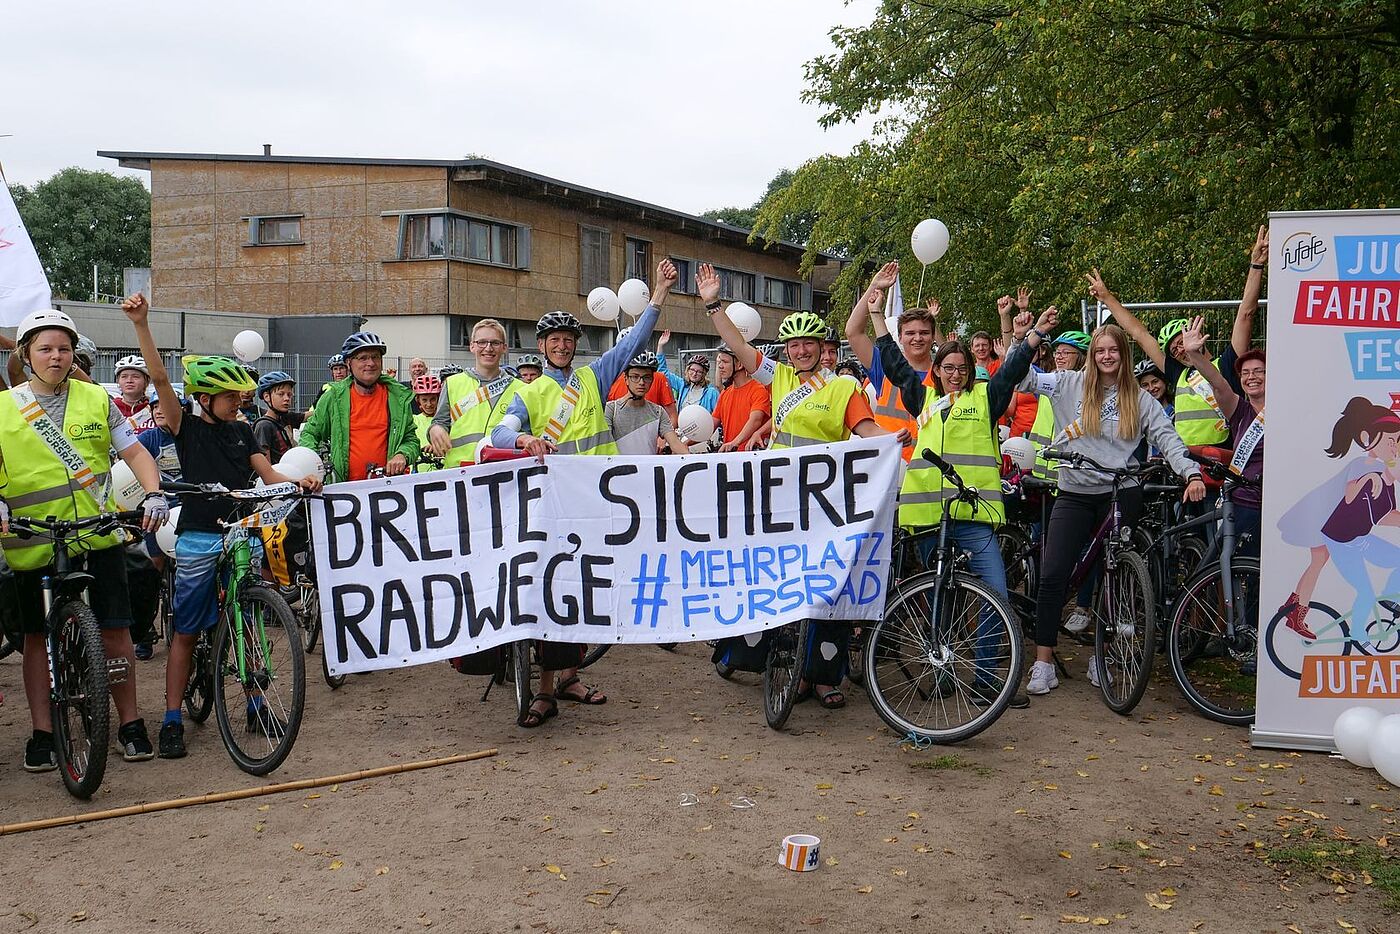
421,249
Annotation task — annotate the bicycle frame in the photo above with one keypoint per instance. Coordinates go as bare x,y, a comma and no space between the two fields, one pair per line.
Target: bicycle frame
238,558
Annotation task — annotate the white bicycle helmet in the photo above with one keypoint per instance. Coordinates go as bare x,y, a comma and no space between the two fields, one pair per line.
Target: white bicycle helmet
44,319
133,362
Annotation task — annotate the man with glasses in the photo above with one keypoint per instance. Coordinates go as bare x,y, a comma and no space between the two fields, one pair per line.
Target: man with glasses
473,401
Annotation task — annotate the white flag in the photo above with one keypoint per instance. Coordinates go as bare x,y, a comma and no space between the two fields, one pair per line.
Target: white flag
23,286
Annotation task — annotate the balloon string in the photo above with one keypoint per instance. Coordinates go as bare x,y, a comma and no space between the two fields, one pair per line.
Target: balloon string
923,272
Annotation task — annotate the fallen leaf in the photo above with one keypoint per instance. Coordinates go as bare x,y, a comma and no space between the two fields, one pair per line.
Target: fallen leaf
1169,892
336,864
1072,893
1100,922
860,813
1217,790
1345,925
668,761
78,916
552,869
605,861
865,889
1074,919
1066,854
312,797
891,839
335,788
1155,901
298,846
382,871
899,872
824,786
831,861
265,807
1090,758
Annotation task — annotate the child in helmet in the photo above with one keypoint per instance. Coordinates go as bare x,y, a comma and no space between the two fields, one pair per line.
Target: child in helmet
427,389
133,381
272,430
638,425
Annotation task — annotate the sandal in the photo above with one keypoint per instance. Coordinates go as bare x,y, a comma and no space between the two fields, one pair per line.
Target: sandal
591,696
833,699
533,718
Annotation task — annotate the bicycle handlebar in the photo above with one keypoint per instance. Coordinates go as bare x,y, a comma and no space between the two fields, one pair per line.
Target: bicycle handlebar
65,525
1221,473
273,491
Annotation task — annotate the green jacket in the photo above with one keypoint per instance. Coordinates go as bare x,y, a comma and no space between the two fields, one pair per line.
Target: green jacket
329,425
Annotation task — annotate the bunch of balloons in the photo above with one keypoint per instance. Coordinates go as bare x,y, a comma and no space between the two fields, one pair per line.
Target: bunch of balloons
1366,738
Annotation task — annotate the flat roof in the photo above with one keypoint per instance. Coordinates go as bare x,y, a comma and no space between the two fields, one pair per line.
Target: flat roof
500,175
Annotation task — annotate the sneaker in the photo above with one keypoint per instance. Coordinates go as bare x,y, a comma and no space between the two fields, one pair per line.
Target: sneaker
264,721
136,745
39,754
1077,622
1042,679
172,740
144,651
1094,674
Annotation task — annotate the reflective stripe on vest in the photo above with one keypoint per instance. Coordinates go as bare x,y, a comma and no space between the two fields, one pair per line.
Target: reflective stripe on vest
1196,421
587,431
479,412
40,485
818,419
967,441
891,415
1041,433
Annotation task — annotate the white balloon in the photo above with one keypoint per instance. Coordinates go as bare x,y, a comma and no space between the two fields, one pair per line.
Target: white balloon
929,241
695,423
299,463
1385,748
635,295
1351,733
603,304
746,318
165,535
248,346
1021,452
126,489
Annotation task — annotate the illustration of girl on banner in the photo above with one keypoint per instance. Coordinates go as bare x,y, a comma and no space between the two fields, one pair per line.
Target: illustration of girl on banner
1338,522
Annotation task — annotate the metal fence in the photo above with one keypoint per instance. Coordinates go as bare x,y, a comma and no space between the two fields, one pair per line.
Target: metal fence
1219,315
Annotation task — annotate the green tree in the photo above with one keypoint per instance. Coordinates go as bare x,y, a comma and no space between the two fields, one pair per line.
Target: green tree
794,226
77,218
1146,137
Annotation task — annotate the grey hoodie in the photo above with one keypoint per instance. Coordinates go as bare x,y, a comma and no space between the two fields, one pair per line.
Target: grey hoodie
1066,391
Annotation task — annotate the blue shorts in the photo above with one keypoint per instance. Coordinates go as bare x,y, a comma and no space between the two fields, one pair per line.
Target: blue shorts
197,579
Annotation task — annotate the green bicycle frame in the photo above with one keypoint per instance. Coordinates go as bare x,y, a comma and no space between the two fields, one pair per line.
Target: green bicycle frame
238,562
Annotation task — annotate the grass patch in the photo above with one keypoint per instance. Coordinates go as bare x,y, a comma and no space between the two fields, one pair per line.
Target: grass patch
1123,846
951,762
1349,865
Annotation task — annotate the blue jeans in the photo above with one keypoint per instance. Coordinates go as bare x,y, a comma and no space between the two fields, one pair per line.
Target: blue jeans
980,541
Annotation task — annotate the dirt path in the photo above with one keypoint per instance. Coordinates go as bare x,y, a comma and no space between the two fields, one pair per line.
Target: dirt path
1060,815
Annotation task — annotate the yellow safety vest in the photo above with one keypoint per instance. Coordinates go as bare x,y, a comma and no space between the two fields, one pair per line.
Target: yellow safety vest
1041,434
36,482
1196,421
476,423
820,418
587,430
966,440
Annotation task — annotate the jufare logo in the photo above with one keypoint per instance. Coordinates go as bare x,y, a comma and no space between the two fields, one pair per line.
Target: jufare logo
1303,251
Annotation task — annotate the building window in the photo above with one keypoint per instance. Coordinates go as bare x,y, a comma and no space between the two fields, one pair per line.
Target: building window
782,293
685,272
594,245
449,236
639,259
736,286
274,231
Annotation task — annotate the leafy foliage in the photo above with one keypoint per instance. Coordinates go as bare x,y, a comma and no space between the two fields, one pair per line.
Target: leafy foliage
1147,137
79,217
794,226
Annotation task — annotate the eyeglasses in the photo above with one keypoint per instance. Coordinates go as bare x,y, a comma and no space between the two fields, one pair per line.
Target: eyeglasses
950,368
639,377
488,343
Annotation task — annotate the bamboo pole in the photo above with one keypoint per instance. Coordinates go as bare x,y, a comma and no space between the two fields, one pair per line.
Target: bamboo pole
238,794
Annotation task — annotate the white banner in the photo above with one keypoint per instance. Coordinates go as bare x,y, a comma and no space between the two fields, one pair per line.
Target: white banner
431,566
1331,533
23,286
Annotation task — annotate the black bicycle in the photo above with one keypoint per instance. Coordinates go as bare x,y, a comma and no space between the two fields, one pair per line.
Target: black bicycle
80,674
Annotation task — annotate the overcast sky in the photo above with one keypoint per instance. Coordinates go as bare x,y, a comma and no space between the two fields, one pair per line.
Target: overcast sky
689,105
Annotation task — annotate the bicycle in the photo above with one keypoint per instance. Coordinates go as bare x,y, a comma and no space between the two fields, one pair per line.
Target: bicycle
1218,605
252,663
945,660
80,674
1125,616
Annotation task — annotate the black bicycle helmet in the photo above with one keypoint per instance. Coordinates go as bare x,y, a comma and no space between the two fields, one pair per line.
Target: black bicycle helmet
336,359
1148,368
646,359
558,321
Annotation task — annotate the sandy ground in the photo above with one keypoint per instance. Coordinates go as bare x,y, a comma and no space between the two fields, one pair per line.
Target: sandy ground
1058,816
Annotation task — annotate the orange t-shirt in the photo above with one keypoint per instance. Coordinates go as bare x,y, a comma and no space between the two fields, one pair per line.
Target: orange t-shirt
858,410
369,430
660,391
738,402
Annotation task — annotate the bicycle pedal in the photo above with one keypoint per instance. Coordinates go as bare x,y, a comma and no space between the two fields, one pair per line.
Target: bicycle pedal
118,670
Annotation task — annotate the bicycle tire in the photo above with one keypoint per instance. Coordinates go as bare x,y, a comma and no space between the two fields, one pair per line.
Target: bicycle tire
1191,551
855,656
199,689
1017,556
594,652
333,682
1199,606
1276,631
520,674
783,670
280,681
1125,634
78,703
911,682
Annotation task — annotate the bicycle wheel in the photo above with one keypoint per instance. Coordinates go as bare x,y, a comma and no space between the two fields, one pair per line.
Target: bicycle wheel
594,653
310,618
1018,556
332,681
199,689
945,661
1125,633
1217,686
81,724
1287,649
782,671
519,672
1190,551
259,716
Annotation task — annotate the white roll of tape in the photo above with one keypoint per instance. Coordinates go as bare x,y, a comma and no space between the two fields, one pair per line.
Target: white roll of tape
800,852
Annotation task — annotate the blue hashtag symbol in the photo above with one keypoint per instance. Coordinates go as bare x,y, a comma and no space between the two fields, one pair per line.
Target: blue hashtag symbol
654,583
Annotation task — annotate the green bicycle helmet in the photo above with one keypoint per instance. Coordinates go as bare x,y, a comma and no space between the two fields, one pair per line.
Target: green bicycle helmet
1171,329
215,375
1076,339
802,324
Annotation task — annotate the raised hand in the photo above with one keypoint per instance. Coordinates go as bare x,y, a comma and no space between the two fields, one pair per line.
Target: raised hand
1023,298
1021,325
933,307
1049,320
707,283
666,274
1004,305
1193,339
877,298
1259,253
1097,287
999,346
136,308
886,277
663,340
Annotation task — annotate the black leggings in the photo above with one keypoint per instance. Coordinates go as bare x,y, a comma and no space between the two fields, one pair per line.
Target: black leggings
1073,520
